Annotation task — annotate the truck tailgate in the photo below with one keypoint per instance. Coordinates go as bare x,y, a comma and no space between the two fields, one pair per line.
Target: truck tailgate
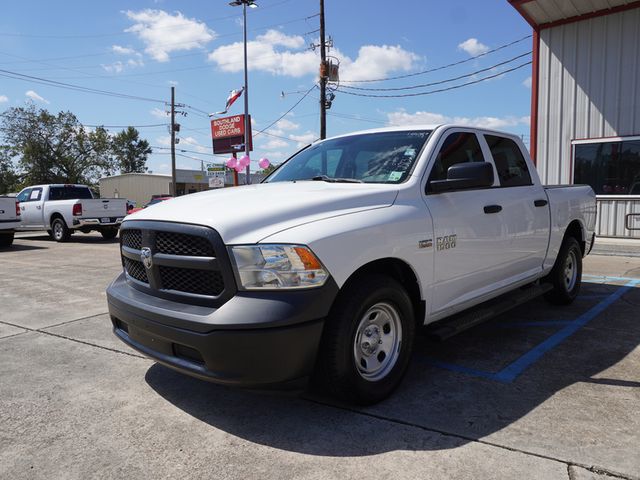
8,210
102,208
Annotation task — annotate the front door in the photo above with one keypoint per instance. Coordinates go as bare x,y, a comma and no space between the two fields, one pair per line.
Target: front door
31,208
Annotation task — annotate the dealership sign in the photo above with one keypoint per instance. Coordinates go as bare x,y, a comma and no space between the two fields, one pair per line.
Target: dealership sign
228,134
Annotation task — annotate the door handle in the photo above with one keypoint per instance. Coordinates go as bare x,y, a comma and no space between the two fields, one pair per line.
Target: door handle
493,208
39,207
22,208
540,203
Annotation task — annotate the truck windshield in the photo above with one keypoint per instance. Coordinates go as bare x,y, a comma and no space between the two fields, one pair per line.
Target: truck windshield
386,157
69,192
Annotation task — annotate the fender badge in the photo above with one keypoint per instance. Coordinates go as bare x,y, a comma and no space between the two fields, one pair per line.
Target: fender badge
425,243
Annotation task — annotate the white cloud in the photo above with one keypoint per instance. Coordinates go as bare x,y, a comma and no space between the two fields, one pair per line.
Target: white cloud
120,50
192,142
473,47
35,97
164,141
304,139
115,67
402,117
375,61
281,54
158,113
4,99
286,124
173,83
527,82
164,33
274,144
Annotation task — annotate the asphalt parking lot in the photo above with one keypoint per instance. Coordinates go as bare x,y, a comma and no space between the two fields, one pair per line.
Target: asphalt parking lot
539,392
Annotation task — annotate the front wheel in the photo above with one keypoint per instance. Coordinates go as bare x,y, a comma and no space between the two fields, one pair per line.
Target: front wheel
566,275
60,230
367,340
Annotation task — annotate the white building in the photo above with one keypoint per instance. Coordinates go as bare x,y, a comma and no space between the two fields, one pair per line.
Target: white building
585,108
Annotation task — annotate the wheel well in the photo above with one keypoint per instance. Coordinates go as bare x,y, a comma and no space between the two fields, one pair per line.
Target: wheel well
53,217
402,273
575,230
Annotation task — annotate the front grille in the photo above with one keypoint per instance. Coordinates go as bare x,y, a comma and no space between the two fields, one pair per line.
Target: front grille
132,238
190,280
135,270
188,263
180,244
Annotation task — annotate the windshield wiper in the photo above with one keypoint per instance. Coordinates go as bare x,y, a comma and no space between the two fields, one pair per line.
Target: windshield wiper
325,178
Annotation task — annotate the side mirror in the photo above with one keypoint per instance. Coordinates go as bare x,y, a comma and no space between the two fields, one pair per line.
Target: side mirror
463,176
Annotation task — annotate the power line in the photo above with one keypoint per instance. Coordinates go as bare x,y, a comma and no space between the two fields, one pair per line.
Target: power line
286,113
439,90
153,125
69,86
412,87
488,52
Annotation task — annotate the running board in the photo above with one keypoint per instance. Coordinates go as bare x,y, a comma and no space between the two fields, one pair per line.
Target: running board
485,311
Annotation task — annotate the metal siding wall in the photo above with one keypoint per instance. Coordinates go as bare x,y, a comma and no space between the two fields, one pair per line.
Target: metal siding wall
138,188
612,215
589,73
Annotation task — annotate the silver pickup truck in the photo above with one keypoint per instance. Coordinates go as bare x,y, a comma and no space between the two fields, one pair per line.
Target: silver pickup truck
64,209
9,220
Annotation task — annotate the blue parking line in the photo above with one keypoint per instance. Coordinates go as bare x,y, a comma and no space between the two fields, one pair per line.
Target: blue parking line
546,323
516,368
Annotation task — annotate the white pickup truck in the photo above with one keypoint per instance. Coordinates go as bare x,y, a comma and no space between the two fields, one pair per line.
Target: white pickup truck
326,268
9,220
64,209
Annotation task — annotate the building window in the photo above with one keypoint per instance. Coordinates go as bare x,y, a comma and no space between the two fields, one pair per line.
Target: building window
611,167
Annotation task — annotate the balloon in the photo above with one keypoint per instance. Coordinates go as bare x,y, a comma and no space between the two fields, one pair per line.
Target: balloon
244,161
264,163
239,168
232,162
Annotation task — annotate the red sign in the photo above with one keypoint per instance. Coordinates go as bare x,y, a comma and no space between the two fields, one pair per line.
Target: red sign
228,133
227,127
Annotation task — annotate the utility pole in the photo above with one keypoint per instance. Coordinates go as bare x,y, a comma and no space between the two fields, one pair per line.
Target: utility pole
247,125
323,76
173,142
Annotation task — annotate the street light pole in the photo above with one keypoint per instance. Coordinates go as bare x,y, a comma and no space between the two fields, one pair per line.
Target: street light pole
246,95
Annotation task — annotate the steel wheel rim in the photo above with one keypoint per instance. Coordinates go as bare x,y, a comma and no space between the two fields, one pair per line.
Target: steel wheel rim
570,271
57,230
376,345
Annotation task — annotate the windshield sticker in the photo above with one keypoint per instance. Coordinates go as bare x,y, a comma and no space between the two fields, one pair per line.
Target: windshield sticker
395,176
410,152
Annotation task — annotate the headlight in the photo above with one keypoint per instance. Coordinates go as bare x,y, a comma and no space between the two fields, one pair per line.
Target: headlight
278,266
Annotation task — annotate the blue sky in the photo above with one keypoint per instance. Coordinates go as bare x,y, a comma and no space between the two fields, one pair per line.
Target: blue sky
141,47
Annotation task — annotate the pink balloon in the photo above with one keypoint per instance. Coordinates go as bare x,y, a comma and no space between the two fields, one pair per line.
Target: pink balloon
232,162
264,163
239,168
244,161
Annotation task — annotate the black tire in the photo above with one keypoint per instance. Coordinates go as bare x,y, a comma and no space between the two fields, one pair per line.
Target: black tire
566,275
50,233
345,335
6,239
109,233
60,231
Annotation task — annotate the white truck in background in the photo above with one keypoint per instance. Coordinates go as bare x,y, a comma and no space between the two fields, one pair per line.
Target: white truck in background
9,220
342,252
64,209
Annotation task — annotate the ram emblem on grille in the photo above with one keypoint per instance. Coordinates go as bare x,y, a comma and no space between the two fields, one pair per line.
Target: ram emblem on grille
145,256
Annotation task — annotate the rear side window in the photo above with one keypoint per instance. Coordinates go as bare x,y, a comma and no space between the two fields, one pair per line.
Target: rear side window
69,193
459,147
510,164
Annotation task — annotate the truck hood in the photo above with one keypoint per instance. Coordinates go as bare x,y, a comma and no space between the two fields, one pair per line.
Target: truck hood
251,213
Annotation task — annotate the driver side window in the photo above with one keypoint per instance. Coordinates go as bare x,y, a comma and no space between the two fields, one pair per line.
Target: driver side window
24,195
459,147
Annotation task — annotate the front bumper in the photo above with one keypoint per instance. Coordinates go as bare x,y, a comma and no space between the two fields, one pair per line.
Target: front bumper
256,339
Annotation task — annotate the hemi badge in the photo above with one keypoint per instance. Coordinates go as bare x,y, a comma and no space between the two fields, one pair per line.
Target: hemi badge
425,243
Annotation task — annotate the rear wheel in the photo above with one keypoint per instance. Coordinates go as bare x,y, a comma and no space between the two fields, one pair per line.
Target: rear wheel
367,341
109,233
566,274
6,239
59,230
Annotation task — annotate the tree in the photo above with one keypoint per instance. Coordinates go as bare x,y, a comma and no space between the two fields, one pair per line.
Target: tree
8,177
268,170
130,151
56,148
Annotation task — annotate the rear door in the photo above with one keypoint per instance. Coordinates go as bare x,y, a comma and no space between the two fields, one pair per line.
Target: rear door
524,207
470,238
